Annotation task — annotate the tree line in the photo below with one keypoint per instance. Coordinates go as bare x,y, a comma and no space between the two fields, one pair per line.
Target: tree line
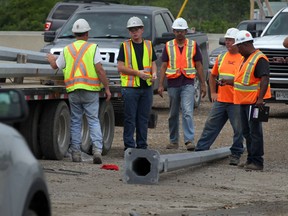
210,16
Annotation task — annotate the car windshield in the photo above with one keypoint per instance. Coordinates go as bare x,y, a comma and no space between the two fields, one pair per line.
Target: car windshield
279,26
106,25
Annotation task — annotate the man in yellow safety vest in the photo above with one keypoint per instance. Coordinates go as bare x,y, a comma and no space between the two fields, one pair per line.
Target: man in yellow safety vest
137,68
83,77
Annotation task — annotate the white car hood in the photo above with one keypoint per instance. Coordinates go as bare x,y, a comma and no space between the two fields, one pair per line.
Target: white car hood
267,42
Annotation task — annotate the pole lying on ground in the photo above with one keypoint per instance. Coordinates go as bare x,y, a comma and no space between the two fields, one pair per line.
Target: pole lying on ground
143,166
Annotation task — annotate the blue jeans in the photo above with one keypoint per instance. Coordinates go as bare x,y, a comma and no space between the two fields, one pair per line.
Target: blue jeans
82,101
137,107
216,120
182,96
253,134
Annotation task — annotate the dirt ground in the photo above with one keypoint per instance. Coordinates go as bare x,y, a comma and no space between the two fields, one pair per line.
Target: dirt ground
214,188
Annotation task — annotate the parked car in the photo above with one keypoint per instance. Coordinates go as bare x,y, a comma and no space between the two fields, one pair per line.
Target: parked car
61,12
23,190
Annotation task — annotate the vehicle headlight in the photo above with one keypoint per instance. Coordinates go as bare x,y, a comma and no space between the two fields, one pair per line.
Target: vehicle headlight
212,60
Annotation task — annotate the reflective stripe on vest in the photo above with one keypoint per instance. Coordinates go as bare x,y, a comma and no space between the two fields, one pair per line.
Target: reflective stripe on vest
246,86
181,62
250,67
80,72
131,62
223,74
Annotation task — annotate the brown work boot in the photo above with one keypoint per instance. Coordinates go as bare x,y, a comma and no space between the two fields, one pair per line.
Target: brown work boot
190,146
97,158
172,146
253,167
234,160
76,156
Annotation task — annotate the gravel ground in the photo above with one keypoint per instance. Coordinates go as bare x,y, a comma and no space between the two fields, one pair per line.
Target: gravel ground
214,188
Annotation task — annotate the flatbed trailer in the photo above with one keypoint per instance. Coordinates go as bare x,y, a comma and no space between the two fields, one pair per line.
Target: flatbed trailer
47,128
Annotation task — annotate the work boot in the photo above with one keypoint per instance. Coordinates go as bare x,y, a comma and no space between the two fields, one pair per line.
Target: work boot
253,167
190,146
76,156
172,146
234,160
97,158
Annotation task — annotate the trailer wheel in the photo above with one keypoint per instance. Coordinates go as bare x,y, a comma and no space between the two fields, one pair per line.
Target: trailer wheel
29,129
86,145
55,130
197,93
107,121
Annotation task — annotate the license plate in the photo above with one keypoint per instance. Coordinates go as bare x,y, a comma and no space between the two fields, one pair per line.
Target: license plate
281,95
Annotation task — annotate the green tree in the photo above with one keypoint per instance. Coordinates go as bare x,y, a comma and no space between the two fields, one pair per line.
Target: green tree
206,15
24,15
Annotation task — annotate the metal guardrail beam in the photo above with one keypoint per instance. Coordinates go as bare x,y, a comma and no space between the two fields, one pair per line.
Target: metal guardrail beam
38,70
10,54
27,70
143,166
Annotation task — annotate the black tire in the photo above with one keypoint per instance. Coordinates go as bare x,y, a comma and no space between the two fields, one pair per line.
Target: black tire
29,129
107,121
197,94
55,130
86,145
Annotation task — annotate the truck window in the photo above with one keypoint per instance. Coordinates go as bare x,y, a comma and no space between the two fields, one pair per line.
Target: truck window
160,26
63,12
279,26
107,24
169,19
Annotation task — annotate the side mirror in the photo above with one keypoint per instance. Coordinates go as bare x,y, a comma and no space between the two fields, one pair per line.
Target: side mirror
165,37
49,36
222,41
251,27
13,106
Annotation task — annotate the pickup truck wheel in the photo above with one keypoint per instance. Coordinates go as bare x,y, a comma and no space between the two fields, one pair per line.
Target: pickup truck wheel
107,121
197,94
86,141
29,129
55,130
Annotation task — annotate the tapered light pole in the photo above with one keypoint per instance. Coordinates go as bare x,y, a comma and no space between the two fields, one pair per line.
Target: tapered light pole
143,166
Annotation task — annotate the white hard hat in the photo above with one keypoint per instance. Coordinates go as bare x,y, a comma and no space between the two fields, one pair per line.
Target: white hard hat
231,33
134,22
180,23
243,36
81,26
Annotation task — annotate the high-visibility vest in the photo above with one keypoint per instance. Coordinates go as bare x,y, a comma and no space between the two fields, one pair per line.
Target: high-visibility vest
181,63
80,72
246,85
225,67
131,62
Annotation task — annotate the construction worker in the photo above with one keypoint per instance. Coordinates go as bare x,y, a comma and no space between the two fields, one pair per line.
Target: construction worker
223,107
181,60
83,75
138,70
251,87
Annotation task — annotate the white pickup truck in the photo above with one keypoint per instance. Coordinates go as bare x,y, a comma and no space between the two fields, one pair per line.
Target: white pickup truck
271,44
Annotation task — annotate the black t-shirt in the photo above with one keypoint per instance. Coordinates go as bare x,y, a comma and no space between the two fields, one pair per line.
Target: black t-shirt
138,47
262,68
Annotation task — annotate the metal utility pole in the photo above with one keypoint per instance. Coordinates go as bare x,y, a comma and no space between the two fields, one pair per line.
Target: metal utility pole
142,166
